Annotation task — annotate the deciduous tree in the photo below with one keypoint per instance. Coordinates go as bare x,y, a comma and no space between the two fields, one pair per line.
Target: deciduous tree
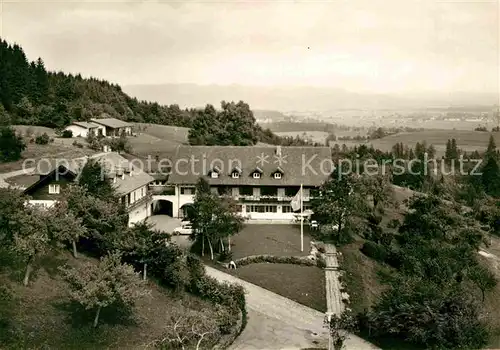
96,286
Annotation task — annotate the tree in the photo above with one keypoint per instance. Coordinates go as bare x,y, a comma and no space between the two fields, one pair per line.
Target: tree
65,227
31,237
212,218
337,202
96,286
140,243
339,328
105,220
483,278
378,187
120,144
426,314
11,145
92,177
233,125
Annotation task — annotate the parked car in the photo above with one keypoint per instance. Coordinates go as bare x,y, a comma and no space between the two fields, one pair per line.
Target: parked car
185,229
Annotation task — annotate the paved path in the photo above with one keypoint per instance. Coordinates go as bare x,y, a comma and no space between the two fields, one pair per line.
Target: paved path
5,176
334,302
275,322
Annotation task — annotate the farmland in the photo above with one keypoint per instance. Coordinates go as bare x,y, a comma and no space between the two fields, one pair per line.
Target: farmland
466,140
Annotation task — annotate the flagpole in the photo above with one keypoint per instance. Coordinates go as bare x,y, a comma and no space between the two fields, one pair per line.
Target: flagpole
301,220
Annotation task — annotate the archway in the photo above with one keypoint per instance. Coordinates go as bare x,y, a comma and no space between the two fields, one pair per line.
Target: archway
162,207
185,210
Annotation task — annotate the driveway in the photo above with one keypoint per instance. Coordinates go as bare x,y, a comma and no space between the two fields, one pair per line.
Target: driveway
275,322
165,223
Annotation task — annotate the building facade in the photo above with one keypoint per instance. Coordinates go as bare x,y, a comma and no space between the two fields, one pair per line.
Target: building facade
263,180
131,185
114,127
83,129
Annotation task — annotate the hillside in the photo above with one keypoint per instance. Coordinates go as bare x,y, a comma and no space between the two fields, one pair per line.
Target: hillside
31,95
60,323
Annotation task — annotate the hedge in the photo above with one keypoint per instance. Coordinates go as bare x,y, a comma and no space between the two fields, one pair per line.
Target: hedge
294,260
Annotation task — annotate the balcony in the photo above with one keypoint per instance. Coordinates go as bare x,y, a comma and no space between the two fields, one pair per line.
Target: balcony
148,197
251,198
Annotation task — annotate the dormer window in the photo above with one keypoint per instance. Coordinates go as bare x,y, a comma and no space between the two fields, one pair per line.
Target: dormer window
257,173
278,174
215,172
236,173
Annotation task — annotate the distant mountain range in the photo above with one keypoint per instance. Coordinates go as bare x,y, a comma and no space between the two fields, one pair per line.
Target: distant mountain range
301,98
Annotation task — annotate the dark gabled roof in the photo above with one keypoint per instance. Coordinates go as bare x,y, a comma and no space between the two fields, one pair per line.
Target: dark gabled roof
309,166
279,170
257,170
111,122
112,162
236,169
86,125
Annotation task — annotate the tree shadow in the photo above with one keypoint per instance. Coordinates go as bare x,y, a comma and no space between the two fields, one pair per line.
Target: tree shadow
51,264
78,317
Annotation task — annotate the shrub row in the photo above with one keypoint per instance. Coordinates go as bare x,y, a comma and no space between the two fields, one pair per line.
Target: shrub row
255,259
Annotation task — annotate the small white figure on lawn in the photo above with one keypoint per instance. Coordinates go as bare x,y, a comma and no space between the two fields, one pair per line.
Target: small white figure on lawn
232,265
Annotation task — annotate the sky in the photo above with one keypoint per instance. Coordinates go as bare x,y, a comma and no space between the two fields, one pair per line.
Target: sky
401,46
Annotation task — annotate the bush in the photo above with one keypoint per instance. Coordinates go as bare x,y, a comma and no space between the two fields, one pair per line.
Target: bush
225,256
77,144
42,139
67,134
256,259
394,223
375,251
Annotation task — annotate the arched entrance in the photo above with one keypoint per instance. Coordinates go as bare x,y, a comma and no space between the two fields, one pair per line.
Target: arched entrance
185,210
162,207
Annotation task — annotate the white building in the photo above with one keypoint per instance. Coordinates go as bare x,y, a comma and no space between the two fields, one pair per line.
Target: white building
263,180
82,129
132,185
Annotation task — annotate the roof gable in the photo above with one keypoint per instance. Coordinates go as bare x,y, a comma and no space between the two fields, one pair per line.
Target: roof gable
111,123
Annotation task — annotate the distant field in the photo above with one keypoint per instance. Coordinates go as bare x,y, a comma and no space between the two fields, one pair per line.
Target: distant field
466,140
315,136
157,140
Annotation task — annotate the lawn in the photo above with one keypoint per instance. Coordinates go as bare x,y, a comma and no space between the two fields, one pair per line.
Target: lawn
360,276
303,284
165,132
272,239
48,319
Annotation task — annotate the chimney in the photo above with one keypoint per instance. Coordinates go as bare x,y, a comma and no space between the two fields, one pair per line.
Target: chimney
278,151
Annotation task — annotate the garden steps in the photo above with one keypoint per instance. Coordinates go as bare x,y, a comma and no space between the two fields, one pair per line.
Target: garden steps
333,294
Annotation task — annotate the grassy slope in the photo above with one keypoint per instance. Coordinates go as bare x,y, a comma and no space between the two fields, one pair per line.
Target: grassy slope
48,318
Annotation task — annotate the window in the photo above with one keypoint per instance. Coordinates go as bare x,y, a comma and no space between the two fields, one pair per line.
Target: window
214,174
54,189
286,209
246,191
262,208
142,192
256,175
277,175
239,208
291,191
187,190
269,191
235,175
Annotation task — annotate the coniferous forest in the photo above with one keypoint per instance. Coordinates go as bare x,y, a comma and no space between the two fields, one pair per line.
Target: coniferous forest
30,94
